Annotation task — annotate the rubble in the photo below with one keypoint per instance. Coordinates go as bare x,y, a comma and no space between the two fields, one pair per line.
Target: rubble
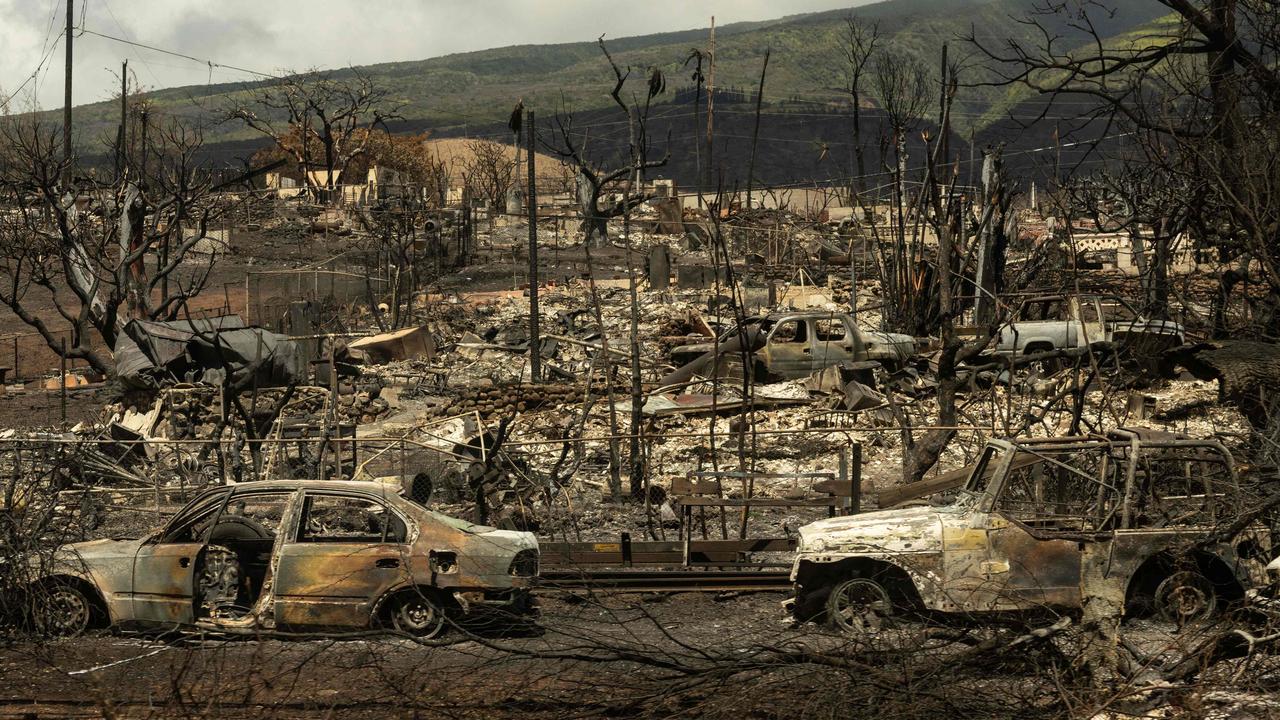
403,344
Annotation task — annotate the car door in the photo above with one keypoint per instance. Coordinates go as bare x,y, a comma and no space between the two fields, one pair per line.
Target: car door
1040,324
789,348
236,565
1048,509
833,341
164,566
345,552
966,540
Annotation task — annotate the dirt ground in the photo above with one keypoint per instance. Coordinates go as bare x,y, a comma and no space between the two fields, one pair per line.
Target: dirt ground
707,655
112,675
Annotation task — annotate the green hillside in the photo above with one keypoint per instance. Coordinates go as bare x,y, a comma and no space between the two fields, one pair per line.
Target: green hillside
479,88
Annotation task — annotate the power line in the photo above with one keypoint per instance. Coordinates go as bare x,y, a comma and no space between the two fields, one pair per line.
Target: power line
124,32
39,67
203,61
45,46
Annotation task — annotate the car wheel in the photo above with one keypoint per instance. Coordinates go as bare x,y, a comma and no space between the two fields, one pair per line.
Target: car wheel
417,614
1185,597
859,605
65,610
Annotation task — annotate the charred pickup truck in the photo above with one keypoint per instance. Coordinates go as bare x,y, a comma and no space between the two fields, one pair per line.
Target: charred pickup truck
786,346
1131,517
289,555
1058,322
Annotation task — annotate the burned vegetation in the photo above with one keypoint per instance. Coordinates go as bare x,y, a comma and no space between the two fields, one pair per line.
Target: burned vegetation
382,424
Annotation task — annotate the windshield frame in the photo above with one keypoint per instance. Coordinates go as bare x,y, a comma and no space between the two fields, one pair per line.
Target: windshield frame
1003,453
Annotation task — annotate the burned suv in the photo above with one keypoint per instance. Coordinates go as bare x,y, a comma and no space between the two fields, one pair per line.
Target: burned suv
1136,517
290,554
791,345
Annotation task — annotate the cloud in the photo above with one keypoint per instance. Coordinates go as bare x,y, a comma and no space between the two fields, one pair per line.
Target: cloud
272,35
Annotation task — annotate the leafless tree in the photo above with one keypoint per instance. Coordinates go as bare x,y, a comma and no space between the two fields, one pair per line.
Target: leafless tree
858,42
318,118
395,239
603,193
489,172
1153,209
107,254
901,85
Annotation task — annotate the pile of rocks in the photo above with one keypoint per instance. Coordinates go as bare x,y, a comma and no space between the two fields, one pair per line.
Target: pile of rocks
361,401
190,412
194,412
496,401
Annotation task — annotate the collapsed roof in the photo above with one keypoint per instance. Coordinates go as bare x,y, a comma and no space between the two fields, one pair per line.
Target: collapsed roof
155,354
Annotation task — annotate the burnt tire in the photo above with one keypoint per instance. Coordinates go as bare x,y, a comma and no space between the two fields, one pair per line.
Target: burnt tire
858,606
1185,597
64,610
416,613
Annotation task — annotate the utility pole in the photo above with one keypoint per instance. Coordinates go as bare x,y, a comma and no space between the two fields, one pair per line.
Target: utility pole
945,132
142,168
711,101
138,271
66,102
62,379
535,341
755,133
972,140
984,302
124,118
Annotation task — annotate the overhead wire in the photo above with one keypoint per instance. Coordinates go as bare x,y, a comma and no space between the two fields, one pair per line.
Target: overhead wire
39,67
124,32
203,61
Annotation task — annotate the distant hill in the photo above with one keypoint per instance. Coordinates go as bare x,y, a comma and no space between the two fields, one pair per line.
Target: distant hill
472,93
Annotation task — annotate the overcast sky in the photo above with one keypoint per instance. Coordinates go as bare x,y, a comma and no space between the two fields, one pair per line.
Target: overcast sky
268,35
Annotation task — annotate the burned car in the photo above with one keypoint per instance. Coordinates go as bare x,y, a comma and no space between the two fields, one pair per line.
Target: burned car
787,346
1059,322
1131,517
293,555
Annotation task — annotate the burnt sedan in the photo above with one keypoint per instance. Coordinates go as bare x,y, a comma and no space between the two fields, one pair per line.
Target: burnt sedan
292,556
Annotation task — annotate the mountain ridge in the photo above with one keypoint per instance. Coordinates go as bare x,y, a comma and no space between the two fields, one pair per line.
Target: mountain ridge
473,92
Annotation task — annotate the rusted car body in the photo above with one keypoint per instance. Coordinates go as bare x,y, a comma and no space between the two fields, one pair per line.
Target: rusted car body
1128,518
786,346
292,555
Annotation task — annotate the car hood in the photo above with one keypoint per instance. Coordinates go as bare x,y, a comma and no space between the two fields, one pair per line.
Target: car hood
490,553
84,558
106,548
905,530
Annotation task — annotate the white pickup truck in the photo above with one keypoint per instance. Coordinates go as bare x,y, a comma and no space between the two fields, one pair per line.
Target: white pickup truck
1056,322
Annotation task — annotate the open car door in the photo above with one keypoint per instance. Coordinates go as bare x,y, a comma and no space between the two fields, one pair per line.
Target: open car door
164,566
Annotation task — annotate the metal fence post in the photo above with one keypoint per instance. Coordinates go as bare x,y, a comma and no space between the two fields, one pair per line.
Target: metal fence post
62,364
